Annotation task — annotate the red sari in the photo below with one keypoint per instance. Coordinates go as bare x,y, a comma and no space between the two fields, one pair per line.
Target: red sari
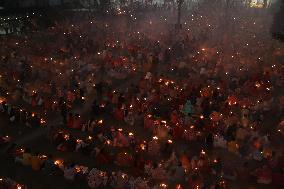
118,114
77,123
70,122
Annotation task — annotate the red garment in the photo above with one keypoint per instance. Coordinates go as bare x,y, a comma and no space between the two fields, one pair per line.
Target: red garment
103,159
155,99
148,122
34,102
47,104
174,118
177,132
77,123
118,114
70,122
280,162
142,84
278,179
243,174
70,96
264,174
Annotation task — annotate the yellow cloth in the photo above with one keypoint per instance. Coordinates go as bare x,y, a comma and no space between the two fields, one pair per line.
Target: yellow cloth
36,163
233,147
27,158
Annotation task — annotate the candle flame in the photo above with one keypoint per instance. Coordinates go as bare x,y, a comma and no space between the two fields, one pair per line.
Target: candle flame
155,138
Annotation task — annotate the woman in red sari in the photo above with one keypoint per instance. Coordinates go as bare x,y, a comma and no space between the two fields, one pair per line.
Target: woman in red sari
70,121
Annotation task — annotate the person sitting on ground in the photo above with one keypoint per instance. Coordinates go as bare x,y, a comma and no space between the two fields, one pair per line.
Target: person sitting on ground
27,156
69,172
243,172
36,162
263,175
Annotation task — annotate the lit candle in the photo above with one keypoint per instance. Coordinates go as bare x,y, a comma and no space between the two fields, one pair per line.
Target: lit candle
130,134
58,162
155,138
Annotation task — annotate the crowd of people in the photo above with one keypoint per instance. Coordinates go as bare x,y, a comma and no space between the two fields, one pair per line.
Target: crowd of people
7,183
154,103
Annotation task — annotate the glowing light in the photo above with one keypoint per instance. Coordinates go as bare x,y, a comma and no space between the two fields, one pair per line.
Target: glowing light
42,121
66,137
58,162
179,186
163,185
143,146
257,84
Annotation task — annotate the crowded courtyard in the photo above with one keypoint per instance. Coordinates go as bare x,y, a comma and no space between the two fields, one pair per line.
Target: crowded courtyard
143,95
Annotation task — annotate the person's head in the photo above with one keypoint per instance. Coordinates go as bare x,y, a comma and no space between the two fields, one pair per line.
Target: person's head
27,150
72,165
